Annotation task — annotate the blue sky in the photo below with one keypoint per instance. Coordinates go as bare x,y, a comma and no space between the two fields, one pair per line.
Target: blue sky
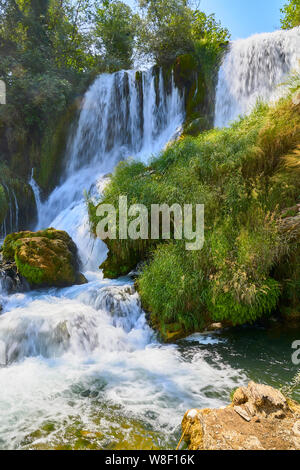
244,17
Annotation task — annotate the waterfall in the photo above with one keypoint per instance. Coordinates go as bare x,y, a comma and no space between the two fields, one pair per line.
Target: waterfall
254,69
125,114
72,356
11,222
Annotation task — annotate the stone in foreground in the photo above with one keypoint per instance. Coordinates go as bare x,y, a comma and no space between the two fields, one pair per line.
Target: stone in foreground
47,258
259,418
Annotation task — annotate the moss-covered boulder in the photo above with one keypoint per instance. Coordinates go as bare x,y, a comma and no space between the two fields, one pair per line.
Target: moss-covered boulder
47,258
287,271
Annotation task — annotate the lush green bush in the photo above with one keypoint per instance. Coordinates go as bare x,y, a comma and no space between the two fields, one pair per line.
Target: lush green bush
245,175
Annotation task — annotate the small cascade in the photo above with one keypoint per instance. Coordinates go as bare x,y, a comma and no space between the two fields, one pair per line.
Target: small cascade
254,69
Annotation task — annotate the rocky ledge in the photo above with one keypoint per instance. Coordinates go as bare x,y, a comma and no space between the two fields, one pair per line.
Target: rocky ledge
259,418
47,258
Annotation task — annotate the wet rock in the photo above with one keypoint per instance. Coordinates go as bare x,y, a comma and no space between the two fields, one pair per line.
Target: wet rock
260,418
296,98
214,327
296,428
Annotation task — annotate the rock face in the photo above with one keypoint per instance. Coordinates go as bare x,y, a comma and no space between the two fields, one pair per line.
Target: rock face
46,258
10,279
259,418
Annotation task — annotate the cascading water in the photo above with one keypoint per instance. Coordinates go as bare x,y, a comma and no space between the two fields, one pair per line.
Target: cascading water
80,367
254,69
11,221
86,354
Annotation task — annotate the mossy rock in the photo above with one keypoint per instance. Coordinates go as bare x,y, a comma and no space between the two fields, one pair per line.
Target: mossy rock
124,256
196,126
47,258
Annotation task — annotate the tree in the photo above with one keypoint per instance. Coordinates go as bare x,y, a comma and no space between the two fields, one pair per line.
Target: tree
207,27
209,38
291,14
115,29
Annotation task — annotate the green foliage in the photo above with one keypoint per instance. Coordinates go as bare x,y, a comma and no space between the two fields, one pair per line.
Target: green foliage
245,175
45,61
165,31
208,28
265,301
115,26
50,51
210,39
290,14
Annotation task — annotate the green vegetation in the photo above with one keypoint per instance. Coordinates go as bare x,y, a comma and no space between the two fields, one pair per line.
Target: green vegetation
170,28
247,176
12,187
44,258
45,61
116,27
50,52
290,14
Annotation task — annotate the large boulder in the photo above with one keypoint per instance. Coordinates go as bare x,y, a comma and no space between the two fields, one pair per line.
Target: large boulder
259,418
47,258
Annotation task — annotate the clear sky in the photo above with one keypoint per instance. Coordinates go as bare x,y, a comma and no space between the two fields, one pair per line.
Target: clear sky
244,17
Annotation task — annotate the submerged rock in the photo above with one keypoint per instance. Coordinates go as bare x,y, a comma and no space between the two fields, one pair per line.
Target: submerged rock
46,258
259,418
